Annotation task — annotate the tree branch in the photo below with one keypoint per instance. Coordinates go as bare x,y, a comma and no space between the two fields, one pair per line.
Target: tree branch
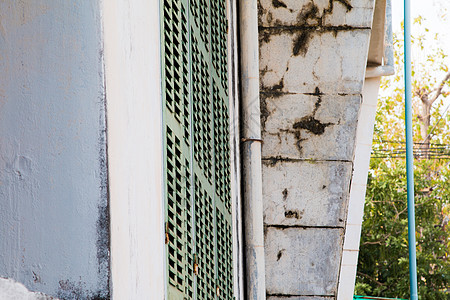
438,90
370,278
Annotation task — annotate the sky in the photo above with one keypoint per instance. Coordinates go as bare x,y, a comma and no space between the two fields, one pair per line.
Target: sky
437,20
436,14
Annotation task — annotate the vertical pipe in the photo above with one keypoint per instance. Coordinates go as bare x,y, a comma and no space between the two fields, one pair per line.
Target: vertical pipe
409,155
251,151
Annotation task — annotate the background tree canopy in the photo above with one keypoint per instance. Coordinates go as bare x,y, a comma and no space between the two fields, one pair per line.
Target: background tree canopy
383,259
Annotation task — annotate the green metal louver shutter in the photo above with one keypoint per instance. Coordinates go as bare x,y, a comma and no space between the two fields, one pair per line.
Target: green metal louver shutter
197,152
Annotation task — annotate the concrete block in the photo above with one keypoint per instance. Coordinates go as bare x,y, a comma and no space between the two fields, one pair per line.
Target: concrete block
306,193
299,60
302,261
309,126
353,13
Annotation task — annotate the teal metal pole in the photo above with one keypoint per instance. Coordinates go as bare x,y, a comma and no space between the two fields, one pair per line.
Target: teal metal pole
410,156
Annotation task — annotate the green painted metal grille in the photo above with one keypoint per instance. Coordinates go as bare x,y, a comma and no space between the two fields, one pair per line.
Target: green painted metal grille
225,270
179,218
219,41
197,149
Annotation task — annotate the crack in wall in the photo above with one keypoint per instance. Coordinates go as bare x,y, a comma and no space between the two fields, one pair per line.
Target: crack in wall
274,160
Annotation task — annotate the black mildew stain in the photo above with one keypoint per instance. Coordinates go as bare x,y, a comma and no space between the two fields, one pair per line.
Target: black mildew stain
103,220
309,11
280,253
278,4
311,124
301,42
292,214
279,86
317,92
285,194
298,144
317,105
264,37
346,3
265,113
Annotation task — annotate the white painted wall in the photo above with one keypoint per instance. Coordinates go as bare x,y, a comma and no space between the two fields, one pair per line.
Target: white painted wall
53,184
134,109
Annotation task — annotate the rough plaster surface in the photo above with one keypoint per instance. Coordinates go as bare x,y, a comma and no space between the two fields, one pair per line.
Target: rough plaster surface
10,289
302,261
53,184
305,193
313,55
308,126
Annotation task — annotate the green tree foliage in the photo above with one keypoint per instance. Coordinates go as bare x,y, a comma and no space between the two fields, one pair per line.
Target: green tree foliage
383,260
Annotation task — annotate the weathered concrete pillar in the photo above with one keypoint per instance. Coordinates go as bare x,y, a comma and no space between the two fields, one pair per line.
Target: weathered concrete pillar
312,61
54,225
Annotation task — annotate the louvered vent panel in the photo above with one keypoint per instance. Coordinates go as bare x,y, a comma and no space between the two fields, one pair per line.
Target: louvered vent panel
219,41
225,258
197,150
176,60
201,84
222,148
178,218
204,213
200,13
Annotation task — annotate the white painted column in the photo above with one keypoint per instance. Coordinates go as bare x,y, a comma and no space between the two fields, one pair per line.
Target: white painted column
134,110
364,136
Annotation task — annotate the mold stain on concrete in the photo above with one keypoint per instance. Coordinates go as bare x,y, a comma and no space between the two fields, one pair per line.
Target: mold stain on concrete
308,11
312,125
278,4
103,221
280,254
285,194
291,214
298,144
279,86
300,44
71,290
265,113
346,3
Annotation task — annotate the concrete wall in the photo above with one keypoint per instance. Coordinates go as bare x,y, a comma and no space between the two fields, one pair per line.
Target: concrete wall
313,55
54,228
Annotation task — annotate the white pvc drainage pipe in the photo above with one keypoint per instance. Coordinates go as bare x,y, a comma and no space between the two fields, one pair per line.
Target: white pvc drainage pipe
251,151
